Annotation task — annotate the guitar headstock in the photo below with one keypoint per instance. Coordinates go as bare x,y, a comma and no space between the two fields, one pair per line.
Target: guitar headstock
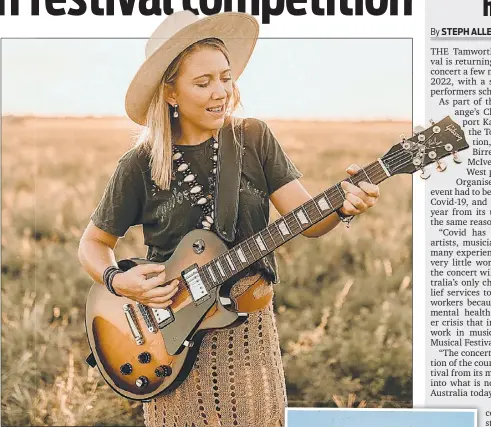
427,146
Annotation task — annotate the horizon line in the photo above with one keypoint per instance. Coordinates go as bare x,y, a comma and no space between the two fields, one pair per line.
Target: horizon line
115,116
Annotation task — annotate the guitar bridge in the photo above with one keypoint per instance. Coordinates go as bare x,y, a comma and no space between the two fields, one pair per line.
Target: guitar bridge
195,284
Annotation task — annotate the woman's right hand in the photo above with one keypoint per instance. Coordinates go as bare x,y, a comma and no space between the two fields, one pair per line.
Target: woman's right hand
134,284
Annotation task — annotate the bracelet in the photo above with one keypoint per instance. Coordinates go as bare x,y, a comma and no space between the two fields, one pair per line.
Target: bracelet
345,218
108,277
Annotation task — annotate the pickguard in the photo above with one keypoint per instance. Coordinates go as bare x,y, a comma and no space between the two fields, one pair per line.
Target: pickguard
187,319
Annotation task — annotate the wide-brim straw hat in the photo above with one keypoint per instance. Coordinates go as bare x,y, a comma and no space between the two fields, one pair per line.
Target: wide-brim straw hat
238,31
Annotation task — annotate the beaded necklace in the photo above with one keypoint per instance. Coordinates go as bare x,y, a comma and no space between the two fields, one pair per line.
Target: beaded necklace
198,197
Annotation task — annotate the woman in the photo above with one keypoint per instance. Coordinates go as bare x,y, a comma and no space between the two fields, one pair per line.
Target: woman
168,183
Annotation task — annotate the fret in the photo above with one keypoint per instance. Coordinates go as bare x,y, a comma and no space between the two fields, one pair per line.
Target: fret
296,223
212,273
255,248
260,242
219,266
226,268
274,226
245,247
365,172
207,277
334,198
216,270
230,263
300,214
235,258
380,172
340,190
314,202
273,244
323,203
241,255
355,179
308,217
312,205
283,226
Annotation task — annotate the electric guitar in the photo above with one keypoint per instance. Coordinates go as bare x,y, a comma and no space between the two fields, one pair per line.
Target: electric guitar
143,352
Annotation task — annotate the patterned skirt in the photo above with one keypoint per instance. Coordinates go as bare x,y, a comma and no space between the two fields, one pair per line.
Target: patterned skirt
237,379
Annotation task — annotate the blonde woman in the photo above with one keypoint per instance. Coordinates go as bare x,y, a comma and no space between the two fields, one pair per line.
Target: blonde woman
184,95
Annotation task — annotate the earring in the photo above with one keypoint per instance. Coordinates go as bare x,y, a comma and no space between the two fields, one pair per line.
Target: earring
176,114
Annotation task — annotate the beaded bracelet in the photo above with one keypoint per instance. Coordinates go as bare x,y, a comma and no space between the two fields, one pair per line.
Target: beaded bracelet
345,218
108,277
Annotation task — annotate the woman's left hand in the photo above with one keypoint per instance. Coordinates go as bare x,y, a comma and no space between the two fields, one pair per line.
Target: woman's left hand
358,198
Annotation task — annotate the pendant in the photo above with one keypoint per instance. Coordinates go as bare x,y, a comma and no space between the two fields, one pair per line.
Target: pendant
182,167
201,201
176,156
189,178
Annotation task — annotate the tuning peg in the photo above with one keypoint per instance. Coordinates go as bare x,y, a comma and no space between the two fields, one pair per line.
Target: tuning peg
441,166
432,123
456,157
418,129
402,136
425,173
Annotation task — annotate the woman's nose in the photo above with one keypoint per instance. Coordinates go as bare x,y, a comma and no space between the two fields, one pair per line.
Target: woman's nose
219,92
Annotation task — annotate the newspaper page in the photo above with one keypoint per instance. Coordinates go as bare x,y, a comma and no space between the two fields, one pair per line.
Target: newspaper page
332,85
458,226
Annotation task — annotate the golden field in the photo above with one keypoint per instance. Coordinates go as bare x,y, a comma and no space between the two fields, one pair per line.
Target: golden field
343,305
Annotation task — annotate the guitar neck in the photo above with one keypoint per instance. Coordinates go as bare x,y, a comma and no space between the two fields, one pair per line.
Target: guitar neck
285,228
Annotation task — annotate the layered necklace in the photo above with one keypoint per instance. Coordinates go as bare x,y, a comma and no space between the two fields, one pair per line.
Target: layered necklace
198,197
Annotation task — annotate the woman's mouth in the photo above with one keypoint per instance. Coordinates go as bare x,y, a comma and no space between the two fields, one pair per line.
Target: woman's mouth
216,110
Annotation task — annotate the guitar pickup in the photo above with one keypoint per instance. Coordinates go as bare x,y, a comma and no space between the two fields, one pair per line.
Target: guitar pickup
163,316
195,284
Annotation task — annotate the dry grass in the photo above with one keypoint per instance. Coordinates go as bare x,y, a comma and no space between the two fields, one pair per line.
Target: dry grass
343,307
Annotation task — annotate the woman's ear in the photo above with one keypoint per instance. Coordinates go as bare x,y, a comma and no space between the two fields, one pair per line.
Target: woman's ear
170,94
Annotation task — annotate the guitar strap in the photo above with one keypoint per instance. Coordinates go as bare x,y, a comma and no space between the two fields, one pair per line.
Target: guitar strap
229,170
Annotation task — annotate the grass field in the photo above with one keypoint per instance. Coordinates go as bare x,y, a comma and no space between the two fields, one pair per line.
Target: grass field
343,306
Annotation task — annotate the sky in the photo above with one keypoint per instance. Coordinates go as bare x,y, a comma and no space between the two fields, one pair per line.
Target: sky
285,78
363,418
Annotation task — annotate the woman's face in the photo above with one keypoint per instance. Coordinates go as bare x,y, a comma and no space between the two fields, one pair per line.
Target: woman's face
203,89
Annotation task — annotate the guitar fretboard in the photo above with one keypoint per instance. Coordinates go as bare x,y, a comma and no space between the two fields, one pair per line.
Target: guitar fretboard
284,229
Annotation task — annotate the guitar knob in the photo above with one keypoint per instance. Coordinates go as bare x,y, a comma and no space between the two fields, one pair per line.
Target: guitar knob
126,369
141,382
456,158
441,166
144,357
163,371
425,173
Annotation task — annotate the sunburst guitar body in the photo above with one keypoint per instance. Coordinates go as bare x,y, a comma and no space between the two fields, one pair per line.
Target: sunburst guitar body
143,352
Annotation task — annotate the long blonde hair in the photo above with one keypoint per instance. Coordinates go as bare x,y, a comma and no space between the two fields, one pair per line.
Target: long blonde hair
160,129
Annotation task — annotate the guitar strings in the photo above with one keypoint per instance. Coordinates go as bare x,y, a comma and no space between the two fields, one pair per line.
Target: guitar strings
251,245
393,161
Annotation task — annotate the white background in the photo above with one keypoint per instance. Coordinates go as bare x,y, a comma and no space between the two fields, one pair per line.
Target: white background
386,26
